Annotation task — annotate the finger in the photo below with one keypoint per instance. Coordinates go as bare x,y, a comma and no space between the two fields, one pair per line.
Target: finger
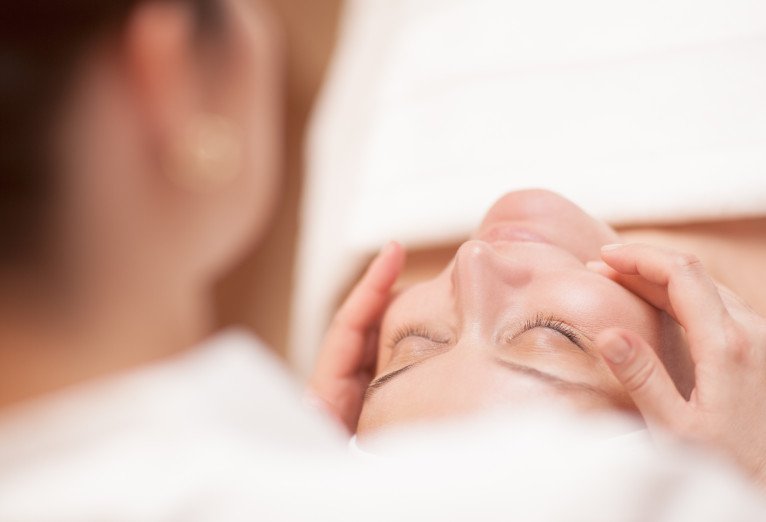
735,304
635,364
655,294
370,295
691,296
344,346
737,307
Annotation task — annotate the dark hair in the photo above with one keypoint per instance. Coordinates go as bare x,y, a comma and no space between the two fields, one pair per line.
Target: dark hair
40,42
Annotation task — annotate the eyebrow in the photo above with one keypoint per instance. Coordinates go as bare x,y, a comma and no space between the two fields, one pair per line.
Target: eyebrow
558,382
383,379
549,378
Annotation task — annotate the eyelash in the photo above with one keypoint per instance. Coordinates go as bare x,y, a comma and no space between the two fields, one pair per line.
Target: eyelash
538,321
412,331
552,322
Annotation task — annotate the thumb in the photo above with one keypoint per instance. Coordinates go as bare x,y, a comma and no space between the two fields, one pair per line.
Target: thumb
637,367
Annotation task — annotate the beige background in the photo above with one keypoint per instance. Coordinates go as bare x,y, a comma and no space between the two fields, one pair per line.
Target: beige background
257,293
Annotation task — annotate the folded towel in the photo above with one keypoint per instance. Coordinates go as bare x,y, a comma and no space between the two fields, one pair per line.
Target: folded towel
641,112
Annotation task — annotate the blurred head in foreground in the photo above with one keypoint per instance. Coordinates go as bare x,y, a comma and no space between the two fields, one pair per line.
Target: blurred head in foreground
511,322
139,152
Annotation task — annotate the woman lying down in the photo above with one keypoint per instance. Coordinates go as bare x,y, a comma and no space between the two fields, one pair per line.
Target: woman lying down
546,305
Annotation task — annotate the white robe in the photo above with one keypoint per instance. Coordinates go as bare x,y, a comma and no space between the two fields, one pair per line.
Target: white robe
221,434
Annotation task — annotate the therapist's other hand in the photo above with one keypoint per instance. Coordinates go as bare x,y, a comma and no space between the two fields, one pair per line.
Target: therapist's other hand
727,342
346,362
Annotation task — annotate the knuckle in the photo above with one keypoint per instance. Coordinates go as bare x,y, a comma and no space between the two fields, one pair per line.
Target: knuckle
640,375
738,346
380,292
685,262
374,288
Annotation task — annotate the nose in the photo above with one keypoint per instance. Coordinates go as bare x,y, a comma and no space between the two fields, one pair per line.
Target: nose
482,279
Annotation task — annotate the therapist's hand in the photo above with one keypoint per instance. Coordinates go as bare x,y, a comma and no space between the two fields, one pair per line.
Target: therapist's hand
346,362
727,340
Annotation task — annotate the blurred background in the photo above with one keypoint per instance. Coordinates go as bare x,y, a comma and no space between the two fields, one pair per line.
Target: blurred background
310,29
406,119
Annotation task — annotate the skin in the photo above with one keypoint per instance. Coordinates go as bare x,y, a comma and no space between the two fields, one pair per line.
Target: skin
137,252
725,411
711,396
467,337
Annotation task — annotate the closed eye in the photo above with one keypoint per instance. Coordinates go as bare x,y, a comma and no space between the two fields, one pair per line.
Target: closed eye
418,331
552,323
563,328
538,321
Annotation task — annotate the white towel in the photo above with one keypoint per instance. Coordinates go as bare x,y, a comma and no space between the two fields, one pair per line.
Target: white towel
641,112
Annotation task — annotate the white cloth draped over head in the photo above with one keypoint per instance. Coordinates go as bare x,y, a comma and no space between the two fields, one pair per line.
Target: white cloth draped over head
641,112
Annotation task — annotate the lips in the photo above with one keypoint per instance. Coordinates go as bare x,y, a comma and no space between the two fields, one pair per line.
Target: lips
511,233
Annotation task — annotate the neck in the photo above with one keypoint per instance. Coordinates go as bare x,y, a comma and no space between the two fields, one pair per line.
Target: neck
46,348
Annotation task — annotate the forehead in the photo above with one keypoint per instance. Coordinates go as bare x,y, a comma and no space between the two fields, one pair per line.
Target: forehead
431,302
424,293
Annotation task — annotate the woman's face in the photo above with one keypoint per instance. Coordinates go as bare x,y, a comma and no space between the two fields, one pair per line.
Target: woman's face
510,321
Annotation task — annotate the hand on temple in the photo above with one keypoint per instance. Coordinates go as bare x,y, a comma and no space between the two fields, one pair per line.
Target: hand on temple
346,362
727,407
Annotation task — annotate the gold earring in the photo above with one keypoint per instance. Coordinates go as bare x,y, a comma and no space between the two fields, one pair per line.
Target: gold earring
207,155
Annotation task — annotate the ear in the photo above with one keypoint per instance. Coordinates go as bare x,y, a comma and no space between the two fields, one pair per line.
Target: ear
158,52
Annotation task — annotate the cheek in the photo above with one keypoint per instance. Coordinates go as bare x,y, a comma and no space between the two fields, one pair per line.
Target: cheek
431,394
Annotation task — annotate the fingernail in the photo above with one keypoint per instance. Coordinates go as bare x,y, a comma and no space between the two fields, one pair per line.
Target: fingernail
596,266
613,246
618,350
